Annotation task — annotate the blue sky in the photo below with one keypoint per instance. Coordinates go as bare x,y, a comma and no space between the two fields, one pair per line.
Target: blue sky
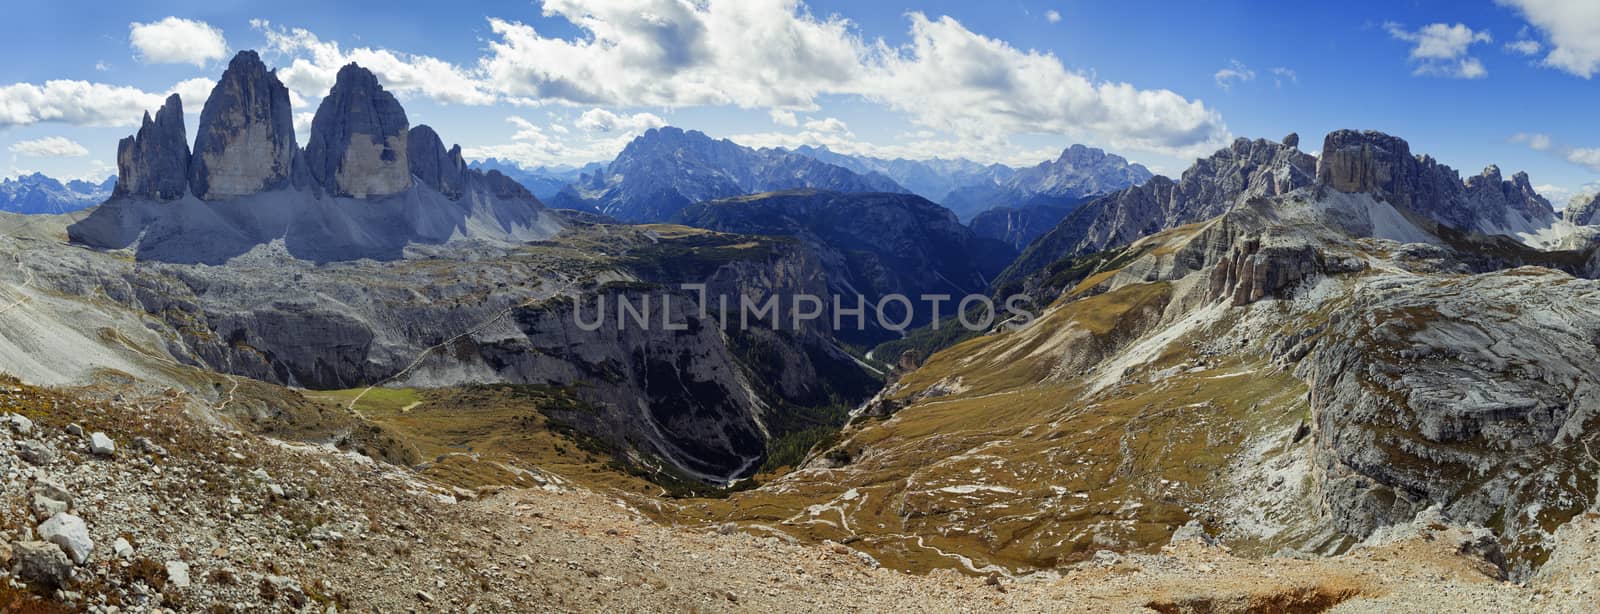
1470,82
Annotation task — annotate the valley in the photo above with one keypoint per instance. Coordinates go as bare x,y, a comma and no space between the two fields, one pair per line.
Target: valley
316,357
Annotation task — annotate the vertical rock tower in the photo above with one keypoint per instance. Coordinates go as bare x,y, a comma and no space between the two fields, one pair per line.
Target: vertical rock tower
358,139
154,163
245,141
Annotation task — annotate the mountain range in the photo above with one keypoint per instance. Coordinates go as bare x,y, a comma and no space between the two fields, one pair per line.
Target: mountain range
666,169
545,182
1279,355
37,193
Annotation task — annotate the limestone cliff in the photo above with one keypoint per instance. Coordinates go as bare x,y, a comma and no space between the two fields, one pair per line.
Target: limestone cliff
154,163
358,139
245,141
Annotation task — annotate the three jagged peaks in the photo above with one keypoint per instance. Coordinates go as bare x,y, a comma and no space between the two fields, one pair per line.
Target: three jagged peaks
360,144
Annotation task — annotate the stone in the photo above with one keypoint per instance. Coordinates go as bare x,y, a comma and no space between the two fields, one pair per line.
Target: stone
178,574
102,445
154,163
41,562
35,453
69,532
46,507
74,430
1192,531
144,444
358,145
245,141
21,424
122,549
424,597
51,488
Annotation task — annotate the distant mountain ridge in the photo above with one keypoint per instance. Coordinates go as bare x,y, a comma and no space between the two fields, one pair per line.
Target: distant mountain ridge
667,169
545,182
969,188
933,179
1079,172
38,193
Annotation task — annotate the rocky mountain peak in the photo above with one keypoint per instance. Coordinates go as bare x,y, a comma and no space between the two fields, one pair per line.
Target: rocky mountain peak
435,167
245,141
358,138
154,163
1380,164
1293,140
1581,209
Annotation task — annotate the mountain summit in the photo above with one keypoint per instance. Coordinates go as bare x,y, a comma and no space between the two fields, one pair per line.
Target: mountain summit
667,169
248,184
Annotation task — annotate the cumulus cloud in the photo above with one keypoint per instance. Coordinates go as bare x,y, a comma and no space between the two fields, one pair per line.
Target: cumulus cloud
1572,28
1234,72
49,147
1589,157
975,87
74,102
176,41
775,54
83,103
1524,47
1443,50
314,63
533,145
782,117
1534,140
601,120
1052,16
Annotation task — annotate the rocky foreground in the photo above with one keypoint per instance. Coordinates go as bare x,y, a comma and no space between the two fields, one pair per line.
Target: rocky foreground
142,502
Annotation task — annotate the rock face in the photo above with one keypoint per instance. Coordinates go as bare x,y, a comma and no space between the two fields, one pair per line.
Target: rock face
1246,169
667,169
1383,165
155,162
358,139
245,141
1582,209
441,170
1019,226
1478,396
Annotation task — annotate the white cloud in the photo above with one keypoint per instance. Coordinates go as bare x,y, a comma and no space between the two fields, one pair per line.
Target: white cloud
601,120
775,54
1585,157
979,88
1534,140
827,125
1573,30
1281,75
784,118
1234,72
314,64
533,145
49,147
1524,47
74,102
84,103
102,66
1442,50
176,41
1052,16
